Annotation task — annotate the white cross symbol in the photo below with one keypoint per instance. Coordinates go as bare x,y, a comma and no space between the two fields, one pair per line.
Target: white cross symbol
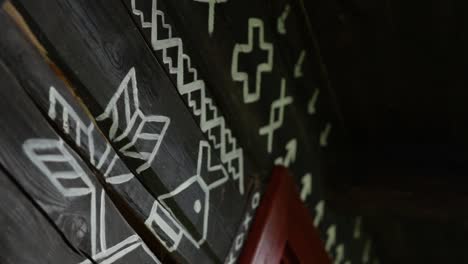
276,115
211,12
250,97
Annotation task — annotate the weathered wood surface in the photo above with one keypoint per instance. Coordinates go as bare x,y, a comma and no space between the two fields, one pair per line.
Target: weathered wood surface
212,57
184,162
153,104
27,235
52,94
61,184
295,127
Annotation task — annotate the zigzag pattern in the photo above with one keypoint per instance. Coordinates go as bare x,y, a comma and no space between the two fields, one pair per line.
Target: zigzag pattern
215,128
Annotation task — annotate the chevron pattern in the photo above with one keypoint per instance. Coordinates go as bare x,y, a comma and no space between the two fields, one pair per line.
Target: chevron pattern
71,180
194,92
124,111
61,112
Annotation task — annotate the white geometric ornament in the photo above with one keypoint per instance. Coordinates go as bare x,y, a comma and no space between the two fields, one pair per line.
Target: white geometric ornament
298,66
290,156
162,216
159,219
280,22
323,141
276,115
241,76
311,109
63,171
306,188
193,90
211,12
84,135
146,132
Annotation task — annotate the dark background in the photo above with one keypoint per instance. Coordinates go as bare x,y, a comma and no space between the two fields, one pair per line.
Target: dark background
398,70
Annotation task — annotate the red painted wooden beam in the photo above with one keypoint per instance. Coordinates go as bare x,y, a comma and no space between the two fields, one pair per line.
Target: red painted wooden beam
283,230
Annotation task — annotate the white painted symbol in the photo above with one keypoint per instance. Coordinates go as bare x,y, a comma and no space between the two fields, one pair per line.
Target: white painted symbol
197,206
237,75
319,212
120,250
291,150
53,159
324,135
247,221
306,186
366,251
239,241
70,119
280,25
312,102
163,217
331,238
211,12
83,135
298,67
255,200
357,228
339,254
231,259
141,128
60,156
276,116
193,90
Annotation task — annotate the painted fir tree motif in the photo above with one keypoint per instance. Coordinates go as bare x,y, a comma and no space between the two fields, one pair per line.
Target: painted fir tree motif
85,136
66,174
161,219
145,132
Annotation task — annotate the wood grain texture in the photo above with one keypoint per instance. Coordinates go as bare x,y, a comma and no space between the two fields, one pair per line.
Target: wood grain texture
25,229
150,102
45,84
301,133
60,182
97,46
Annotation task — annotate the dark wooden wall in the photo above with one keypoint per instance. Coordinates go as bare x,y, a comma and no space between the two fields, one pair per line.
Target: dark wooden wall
398,69
135,132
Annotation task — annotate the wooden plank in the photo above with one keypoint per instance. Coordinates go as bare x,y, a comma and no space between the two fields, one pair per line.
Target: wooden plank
25,228
160,23
51,92
111,53
61,184
217,49
205,51
278,127
246,119
102,52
